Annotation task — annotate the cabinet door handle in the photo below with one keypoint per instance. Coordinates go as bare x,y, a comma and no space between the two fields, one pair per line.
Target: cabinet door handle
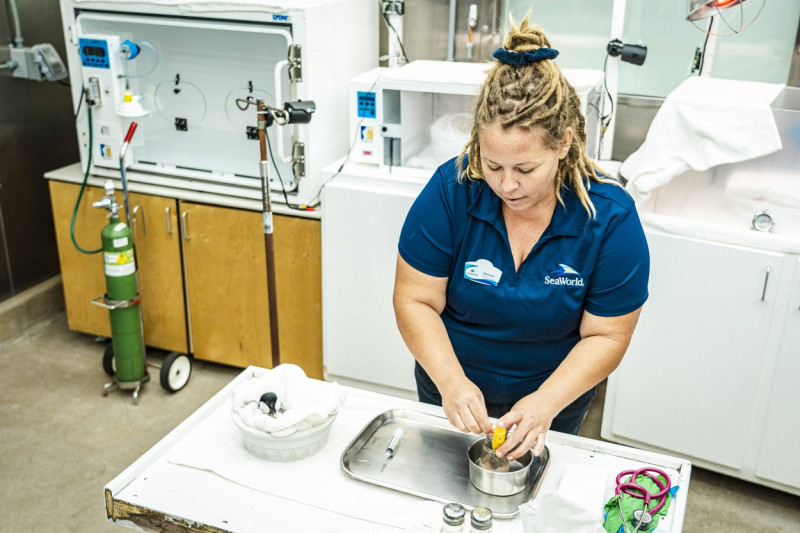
144,220
166,215
766,281
185,225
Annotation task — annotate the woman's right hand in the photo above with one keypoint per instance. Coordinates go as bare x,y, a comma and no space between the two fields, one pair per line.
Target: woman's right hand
419,300
465,407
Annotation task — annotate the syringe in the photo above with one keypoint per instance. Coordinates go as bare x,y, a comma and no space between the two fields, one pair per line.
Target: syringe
397,434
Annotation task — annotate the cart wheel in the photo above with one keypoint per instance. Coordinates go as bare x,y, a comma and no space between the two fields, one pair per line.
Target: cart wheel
175,371
108,361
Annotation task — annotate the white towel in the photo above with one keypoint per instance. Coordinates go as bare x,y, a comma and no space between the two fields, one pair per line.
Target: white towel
577,505
703,123
781,188
308,402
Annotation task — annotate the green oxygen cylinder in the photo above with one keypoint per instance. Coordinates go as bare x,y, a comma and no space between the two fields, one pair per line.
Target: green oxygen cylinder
122,286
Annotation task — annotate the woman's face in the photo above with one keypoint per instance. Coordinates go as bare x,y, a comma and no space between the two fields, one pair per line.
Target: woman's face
518,167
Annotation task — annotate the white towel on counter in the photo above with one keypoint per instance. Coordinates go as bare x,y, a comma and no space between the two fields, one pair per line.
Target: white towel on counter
308,402
781,188
704,122
577,505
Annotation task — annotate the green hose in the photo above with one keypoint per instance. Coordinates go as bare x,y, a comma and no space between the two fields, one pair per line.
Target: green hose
80,194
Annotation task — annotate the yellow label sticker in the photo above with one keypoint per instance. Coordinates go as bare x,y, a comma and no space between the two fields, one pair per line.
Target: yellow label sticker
498,438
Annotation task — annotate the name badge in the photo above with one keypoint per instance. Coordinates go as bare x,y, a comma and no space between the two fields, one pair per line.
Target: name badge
482,271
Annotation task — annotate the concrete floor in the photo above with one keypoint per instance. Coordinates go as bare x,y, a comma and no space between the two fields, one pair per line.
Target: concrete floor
61,441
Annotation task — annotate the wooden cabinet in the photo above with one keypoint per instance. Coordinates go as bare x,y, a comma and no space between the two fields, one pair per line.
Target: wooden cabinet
81,274
202,277
711,370
158,253
226,280
157,257
225,273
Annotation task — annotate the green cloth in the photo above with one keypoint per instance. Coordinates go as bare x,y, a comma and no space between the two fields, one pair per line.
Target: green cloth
613,522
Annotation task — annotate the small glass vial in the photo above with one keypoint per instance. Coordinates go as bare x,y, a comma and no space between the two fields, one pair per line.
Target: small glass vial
453,518
489,460
481,520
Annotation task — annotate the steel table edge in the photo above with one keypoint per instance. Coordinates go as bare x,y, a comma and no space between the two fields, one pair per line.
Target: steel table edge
122,480
145,519
119,511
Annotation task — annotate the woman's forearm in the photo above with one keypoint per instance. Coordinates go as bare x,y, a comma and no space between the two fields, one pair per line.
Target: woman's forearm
588,363
419,300
598,353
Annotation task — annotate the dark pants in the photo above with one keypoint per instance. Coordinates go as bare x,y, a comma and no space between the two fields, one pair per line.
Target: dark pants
567,421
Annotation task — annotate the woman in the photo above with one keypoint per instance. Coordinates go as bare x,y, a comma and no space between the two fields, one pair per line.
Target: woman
521,269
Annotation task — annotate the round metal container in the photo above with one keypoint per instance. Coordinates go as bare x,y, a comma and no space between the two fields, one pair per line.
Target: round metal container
498,483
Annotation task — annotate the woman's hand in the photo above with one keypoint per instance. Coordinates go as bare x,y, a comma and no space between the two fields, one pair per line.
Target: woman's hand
419,300
464,406
533,418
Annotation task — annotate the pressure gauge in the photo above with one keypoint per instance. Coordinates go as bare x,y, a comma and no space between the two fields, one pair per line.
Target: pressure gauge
763,221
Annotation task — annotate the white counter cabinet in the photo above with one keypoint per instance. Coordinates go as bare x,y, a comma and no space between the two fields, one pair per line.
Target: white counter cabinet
712,367
777,460
362,347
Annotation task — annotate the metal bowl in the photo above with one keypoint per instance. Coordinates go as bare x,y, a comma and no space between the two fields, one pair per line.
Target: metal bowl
498,483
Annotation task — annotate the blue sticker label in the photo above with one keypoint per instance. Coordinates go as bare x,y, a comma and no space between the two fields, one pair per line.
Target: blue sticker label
283,18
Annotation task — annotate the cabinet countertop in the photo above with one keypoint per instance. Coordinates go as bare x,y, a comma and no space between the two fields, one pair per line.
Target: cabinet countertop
74,174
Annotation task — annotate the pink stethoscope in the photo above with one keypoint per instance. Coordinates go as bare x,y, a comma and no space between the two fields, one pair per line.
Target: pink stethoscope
642,517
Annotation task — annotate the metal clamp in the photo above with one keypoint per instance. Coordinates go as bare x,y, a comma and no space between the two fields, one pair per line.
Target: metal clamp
295,59
298,160
115,304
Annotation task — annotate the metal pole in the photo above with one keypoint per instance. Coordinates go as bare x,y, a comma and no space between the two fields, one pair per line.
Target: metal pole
122,151
451,31
269,245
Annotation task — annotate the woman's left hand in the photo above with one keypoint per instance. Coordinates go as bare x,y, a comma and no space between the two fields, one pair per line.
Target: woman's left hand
533,419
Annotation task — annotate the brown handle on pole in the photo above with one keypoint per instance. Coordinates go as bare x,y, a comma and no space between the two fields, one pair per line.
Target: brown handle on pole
269,245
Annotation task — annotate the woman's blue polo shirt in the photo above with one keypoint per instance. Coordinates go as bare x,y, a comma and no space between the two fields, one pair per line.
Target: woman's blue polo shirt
510,330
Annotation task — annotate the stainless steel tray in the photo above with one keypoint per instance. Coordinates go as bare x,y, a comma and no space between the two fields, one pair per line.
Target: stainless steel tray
431,461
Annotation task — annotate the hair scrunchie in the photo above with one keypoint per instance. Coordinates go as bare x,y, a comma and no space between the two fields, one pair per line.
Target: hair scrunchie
520,59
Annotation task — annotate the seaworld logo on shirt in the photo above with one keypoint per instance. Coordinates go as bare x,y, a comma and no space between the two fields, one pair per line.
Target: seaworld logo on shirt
565,275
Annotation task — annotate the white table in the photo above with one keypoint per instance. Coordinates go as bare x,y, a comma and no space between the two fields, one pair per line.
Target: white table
159,492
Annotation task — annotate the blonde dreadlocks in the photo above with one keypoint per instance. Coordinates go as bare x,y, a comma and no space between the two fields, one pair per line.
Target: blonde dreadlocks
535,95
